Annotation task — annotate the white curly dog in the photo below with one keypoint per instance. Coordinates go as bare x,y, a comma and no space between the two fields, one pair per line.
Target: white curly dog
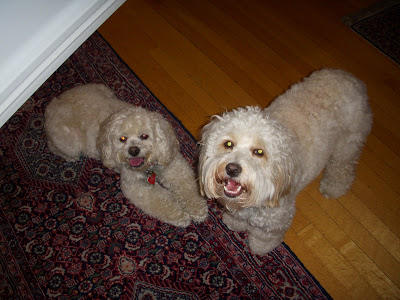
141,145
255,161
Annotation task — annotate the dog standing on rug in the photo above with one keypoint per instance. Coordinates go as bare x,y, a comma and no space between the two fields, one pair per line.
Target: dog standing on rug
141,145
255,161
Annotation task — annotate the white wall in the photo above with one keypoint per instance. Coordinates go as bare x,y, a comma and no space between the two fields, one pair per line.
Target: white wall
36,37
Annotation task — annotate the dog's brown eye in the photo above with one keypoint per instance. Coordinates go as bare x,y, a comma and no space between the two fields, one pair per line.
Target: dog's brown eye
144,137
259,152
228,144
123,139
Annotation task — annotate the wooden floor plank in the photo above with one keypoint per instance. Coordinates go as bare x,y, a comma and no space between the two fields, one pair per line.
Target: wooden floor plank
356,287
376,202
385,154
198,66
327,278
369,242
339,239
300,222
388,173
372,224
204,101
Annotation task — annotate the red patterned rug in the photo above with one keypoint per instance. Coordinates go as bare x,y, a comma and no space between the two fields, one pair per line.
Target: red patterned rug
66,230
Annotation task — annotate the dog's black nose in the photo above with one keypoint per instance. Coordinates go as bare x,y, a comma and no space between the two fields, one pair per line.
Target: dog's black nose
233,169
134,151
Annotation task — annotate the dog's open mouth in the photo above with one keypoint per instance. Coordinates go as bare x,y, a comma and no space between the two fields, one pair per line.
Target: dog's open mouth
136,162
232,189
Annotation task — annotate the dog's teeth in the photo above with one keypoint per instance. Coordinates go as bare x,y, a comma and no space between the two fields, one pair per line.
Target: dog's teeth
232,188
233,191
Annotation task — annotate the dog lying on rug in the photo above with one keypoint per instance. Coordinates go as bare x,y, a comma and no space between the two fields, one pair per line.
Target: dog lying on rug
141,145
255,161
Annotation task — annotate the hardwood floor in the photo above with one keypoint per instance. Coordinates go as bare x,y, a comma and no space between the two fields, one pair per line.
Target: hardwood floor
203,57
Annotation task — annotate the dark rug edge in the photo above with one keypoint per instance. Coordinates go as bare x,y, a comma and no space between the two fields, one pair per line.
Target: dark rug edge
357,20
369,11
318,284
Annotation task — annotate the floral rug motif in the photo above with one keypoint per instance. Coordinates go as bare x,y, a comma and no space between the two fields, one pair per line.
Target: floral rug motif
66,230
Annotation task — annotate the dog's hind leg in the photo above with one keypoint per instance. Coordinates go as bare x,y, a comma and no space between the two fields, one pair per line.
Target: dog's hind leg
355,121
340,170
66,144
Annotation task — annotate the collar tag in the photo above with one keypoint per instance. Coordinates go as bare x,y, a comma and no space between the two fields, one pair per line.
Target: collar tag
151,178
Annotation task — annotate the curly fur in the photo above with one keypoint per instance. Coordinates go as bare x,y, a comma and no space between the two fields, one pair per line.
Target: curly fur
255,161
90,120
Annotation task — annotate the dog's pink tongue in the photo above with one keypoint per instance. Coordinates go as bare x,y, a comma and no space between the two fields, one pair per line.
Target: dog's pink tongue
232,185
135,162
232,189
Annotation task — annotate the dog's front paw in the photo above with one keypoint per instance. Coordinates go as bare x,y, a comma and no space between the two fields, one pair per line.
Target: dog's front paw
261,240
182,220
173,214
197,209
261,246
233,223
159,204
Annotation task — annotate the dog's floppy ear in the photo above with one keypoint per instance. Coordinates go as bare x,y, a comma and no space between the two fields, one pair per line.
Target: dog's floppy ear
104,142
284,161
282,179
167,144
202,159
205,135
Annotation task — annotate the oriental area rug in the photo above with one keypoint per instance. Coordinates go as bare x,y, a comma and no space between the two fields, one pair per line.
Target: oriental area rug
67,232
